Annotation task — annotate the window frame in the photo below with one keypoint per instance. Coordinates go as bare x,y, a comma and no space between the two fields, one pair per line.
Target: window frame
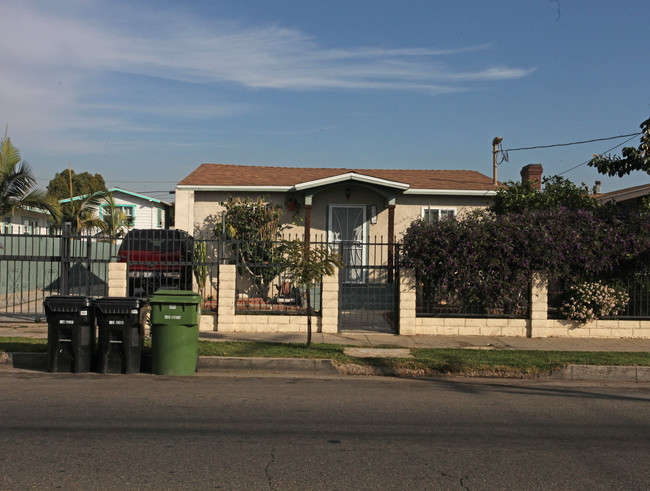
440,209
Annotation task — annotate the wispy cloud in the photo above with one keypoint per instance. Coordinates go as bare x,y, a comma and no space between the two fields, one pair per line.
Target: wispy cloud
59,59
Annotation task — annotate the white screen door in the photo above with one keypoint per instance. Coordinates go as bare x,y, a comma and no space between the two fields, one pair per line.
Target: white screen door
347,231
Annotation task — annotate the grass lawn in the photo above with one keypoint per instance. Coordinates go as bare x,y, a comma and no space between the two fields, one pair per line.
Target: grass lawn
424,361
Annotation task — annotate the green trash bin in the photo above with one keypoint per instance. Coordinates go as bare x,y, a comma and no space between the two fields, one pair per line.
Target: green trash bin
174,332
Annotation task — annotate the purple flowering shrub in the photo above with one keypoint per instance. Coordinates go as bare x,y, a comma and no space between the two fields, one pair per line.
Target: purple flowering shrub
488,259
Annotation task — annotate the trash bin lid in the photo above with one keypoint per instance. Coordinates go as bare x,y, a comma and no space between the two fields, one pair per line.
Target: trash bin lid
115,305
67,303
175,296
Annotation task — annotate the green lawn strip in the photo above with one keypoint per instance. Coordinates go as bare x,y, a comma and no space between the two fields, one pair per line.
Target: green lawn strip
531,362
424,361
23,345
272,350
447,360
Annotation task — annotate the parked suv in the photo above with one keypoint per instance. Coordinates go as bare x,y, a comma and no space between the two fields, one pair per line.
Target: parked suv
157,259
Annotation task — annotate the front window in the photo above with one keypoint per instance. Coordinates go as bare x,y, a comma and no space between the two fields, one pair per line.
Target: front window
127,210
432,214
30,226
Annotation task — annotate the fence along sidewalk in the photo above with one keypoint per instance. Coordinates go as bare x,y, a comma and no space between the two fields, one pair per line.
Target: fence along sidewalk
33,267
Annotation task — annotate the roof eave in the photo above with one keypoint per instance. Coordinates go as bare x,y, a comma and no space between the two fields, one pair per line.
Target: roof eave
208,187
453,192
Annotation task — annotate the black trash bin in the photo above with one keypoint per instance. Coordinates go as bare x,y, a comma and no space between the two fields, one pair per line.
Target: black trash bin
120,334
70,333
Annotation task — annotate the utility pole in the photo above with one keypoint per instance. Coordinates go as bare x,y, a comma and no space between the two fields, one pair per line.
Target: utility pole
495,149
70,179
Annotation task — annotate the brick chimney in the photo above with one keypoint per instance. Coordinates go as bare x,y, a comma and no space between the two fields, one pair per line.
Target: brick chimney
533,173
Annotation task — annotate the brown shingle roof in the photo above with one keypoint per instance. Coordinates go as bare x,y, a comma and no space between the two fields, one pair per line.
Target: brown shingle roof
248,175
624,194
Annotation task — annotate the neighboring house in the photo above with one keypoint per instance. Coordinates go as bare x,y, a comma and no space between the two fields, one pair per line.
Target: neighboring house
336,204
145,211
629,197
28,221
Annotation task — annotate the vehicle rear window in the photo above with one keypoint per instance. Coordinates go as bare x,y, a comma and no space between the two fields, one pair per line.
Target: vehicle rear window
154,241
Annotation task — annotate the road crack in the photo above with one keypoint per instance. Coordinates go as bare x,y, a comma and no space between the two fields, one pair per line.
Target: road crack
461,479
266,469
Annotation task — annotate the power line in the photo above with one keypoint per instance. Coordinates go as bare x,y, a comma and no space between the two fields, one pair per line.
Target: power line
606,151
572,143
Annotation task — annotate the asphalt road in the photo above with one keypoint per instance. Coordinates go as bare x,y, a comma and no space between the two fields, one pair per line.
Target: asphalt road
65,431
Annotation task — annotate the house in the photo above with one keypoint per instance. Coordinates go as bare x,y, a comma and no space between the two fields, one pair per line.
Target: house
628,197
340,204
27,221
145,211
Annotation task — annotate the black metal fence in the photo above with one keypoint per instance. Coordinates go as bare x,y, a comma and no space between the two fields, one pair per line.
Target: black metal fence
262,284
369,286
172,260
438,300
33,267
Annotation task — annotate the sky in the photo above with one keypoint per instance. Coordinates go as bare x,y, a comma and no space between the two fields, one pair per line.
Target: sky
144,91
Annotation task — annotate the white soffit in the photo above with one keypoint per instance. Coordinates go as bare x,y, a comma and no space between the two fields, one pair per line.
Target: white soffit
351,176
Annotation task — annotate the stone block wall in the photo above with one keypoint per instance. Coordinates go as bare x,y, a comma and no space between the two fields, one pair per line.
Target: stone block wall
117,284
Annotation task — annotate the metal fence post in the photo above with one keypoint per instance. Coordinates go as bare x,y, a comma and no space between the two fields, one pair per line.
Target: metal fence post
65,258
89,258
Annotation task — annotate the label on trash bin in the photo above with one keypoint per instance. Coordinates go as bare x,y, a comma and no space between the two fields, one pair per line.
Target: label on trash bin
173,317
114,323
134,311
83,312
172,307
65,321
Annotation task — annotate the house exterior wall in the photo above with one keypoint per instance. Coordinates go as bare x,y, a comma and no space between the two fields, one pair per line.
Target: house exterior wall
198,212
184,213
409,207
359,195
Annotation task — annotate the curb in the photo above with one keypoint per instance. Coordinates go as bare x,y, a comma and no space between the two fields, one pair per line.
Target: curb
606,373
268,365
304,366
38,361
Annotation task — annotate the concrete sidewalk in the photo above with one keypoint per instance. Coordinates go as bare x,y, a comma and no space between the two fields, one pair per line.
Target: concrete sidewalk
370,339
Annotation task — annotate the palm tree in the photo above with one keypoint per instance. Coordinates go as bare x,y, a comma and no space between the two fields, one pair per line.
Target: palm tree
114,221
81,212
17,182
306,267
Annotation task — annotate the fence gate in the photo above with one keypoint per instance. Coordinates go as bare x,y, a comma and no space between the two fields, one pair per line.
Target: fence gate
33,267
369,287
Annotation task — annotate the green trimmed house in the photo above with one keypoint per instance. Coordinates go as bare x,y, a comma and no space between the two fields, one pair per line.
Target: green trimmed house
146,212
27,221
